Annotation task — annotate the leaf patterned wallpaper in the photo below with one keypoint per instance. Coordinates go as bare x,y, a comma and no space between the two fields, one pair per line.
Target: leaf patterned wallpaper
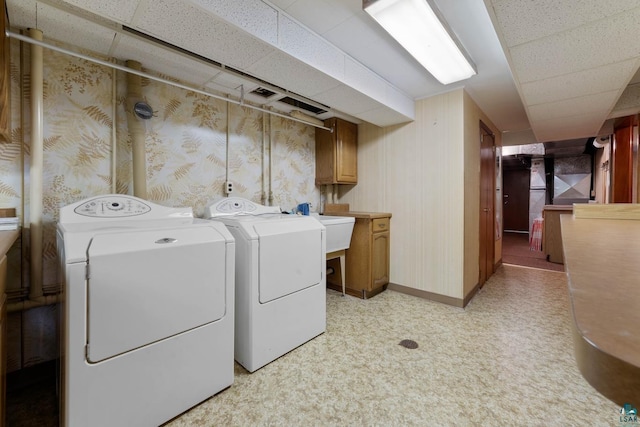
189,150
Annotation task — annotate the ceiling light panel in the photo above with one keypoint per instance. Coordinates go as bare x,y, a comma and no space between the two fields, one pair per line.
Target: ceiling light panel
419,29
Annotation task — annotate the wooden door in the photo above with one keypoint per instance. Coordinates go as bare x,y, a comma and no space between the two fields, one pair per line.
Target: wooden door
487,200
515,199
622,162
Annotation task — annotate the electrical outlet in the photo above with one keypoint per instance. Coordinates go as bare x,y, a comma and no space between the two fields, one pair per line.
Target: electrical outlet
228,187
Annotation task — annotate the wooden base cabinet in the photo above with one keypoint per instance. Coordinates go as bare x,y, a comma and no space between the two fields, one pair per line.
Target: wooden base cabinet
367,259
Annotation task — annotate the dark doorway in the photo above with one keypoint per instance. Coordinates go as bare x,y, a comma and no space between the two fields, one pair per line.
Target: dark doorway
515,199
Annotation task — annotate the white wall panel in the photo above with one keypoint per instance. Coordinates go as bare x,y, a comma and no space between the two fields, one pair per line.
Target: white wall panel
415,171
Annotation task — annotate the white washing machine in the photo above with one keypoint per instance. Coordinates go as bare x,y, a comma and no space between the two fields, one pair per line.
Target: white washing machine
148,311
280,279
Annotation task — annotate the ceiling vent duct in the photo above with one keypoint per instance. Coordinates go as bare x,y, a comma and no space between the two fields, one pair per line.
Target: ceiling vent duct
303,105
260,91
265,93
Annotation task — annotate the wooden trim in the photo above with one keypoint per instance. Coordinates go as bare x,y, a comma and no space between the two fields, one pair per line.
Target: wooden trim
609,211
471,294
362,293
456,302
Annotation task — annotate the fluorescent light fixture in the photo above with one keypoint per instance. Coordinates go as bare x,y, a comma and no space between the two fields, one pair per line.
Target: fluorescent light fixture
419,28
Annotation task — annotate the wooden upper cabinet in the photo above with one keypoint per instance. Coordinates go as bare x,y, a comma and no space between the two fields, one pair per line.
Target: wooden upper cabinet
5,79
337,153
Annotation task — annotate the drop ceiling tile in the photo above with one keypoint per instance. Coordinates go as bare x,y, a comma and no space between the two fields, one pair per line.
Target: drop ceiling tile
584,105
229,81
400,102
119,10
64,27
590,46
167,20
562,128
285,71
346,99
161,60
310,48
364,80
630,99
22,13
317,14
282,4
253,16
383,116
595,80
547,17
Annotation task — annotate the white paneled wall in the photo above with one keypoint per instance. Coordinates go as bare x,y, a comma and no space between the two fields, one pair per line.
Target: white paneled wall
427,174
416,172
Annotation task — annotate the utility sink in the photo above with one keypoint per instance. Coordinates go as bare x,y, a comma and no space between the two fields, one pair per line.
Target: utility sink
339,230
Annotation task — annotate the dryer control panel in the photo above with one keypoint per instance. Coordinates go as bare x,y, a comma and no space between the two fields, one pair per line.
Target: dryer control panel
113,206
120,206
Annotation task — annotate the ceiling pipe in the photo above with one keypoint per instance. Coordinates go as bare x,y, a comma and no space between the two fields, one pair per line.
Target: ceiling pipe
155,78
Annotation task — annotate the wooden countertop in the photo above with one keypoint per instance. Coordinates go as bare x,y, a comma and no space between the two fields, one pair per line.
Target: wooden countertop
558,207
601,261
356,214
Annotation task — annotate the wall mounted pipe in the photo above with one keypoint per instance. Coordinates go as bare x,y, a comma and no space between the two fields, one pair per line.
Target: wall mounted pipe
263,197
114,126
270,161
155,78
137,132
226,153
35,166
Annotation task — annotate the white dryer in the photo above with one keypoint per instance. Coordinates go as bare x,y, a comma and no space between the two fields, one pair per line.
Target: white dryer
148,311
280,279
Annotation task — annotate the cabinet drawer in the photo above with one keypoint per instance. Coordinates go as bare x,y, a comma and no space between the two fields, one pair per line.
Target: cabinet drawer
380,224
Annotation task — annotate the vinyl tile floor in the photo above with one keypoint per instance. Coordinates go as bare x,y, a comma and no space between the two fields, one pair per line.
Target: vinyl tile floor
505,360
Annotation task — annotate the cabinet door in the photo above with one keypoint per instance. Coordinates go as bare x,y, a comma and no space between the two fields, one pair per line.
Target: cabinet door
337,153
347,153
325,156
380,259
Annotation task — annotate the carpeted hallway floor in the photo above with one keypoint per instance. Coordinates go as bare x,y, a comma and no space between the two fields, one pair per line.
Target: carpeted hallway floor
516,251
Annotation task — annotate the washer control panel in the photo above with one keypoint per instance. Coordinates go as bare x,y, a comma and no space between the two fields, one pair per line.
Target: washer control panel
238,206
112,206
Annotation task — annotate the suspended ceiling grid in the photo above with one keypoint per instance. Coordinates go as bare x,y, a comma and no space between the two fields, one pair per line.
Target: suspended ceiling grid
557,69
